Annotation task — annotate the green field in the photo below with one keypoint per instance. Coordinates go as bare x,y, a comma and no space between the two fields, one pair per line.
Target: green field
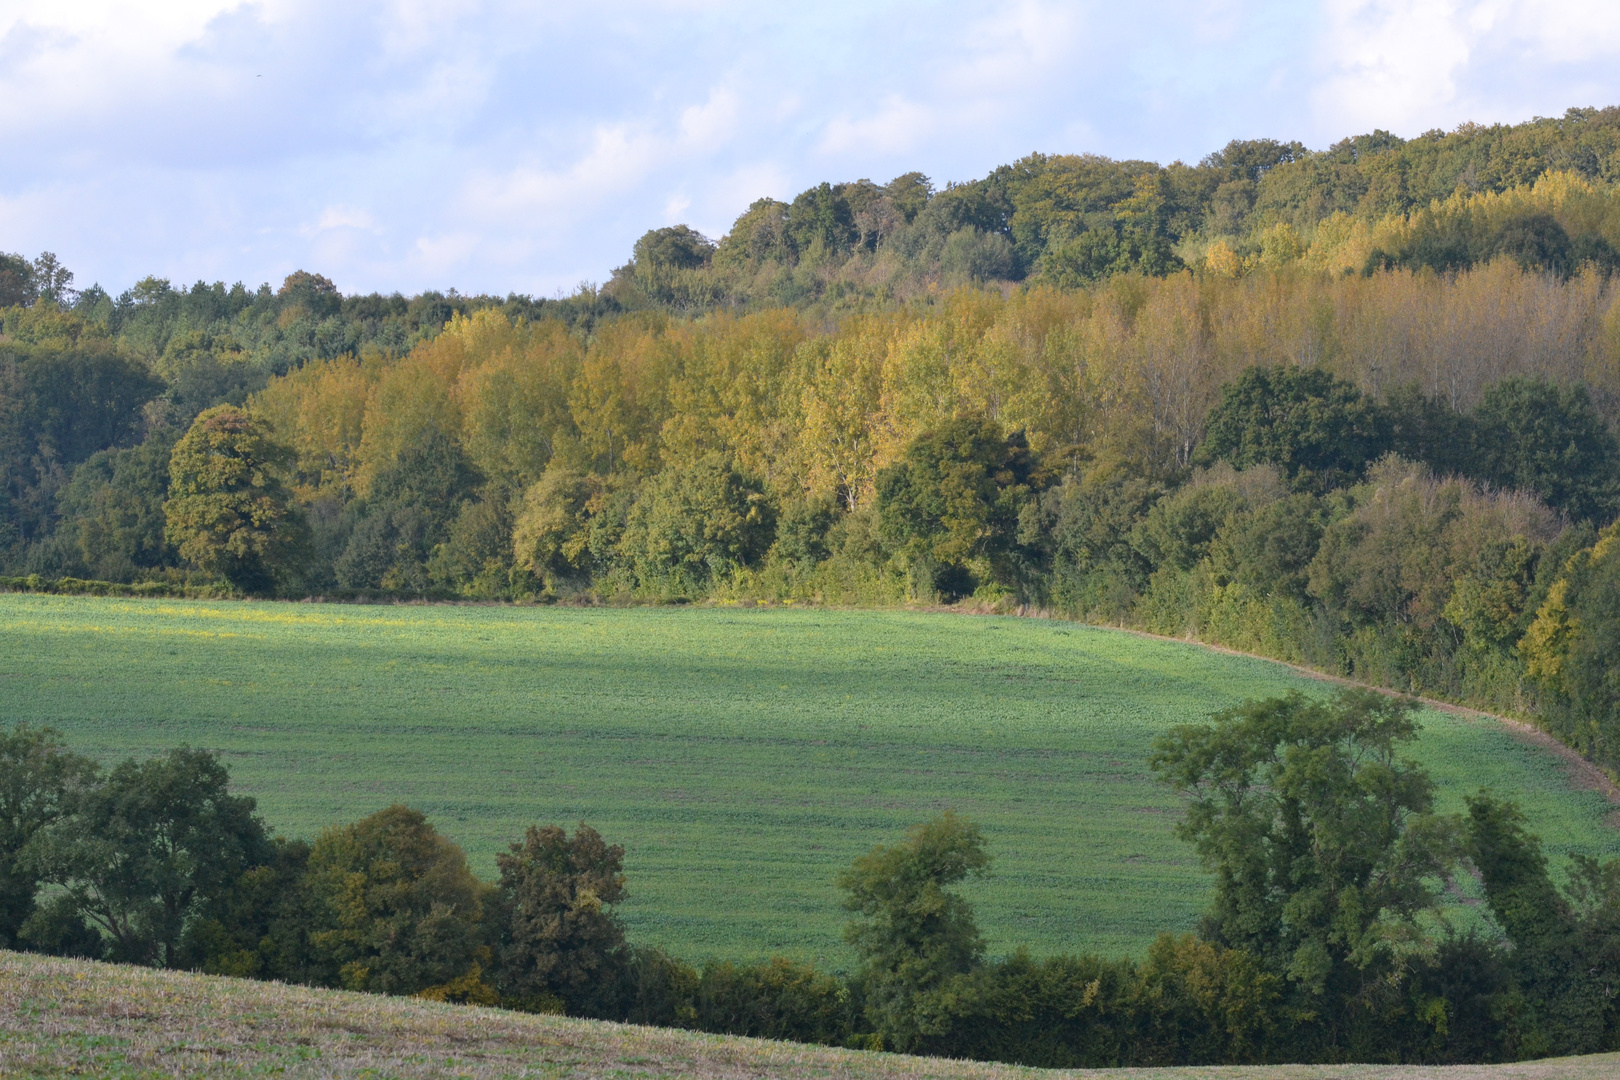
741,756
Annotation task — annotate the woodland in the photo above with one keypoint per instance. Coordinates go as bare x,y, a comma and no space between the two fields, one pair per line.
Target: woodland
1353,408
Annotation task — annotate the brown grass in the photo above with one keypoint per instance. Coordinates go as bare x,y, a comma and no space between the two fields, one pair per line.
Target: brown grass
75,1018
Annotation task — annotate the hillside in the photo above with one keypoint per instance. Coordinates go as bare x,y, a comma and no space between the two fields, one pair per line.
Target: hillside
77,1018
743,758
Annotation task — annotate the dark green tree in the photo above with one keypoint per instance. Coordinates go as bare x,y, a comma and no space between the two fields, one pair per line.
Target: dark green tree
1322,840
558,935
1269,550
691,524
395,908
1566,945
1427,429
677,247
112,509
1321,431
147,848
1536,436
40,780
912,933
950,506
57,408
1571,648
17,286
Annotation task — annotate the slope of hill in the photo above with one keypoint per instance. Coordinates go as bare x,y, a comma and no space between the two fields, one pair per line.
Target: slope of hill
743,758
77,1018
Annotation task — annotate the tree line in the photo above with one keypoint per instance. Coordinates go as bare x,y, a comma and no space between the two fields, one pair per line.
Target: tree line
1405,478
1332,934
1538,193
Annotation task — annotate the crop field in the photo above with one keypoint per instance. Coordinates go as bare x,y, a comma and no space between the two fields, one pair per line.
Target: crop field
74,1018
742,757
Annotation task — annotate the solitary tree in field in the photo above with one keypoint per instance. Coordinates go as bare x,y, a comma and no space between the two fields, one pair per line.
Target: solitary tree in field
228,512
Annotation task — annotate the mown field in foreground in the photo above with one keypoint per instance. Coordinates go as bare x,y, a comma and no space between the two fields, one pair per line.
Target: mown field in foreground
742,757
75,1018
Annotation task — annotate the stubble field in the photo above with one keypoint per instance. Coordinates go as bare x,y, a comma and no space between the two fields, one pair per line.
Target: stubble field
742,757
72,1018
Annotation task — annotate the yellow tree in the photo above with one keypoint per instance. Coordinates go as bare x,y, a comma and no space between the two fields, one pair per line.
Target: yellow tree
841,401
514,396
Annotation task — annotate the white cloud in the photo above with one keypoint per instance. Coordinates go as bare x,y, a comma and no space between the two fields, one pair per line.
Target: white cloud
620,158
898,126
342,217
1014,44
1408,65
496,144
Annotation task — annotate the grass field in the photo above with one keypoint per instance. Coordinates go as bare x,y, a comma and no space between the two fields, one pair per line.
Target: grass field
62,1018
742,757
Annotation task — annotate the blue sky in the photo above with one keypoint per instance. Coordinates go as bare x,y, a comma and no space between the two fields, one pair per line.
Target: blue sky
497,146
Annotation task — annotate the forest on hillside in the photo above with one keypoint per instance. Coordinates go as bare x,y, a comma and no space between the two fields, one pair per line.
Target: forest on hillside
1354,408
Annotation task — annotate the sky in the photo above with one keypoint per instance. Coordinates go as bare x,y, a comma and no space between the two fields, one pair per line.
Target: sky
495,146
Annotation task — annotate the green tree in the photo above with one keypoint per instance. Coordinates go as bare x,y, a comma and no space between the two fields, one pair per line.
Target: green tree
691,524
57,408
1269,550
1318,429
112,509
17,286
1566,944
257,925
559,937
951,506
229,511
1535,436
1571,646
551,536
677,247
1094,523
147,848
395,907
912,933
39,781
1322,840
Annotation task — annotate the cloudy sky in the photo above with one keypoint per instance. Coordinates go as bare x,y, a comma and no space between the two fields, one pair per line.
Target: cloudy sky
500,146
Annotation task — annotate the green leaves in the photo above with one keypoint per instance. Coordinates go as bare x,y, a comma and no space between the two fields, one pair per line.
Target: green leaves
229,511
558,934
955,499
146,848
913,933
396,908
1321,838
1321,431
